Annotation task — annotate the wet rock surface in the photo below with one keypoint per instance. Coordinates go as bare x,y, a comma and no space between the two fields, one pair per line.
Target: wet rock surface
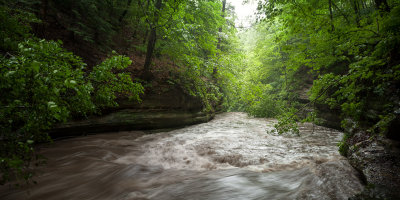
131,119
378,158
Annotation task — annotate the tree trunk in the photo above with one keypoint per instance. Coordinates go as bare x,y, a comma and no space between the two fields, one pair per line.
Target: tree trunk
219,38
220,28
151,42
125,11
331,16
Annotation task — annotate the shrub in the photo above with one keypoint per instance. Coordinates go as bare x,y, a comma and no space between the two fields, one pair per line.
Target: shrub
43,85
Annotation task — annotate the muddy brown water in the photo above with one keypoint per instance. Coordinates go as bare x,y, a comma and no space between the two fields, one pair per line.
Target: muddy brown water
230,157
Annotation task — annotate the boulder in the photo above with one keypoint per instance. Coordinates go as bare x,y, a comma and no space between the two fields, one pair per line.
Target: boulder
378,158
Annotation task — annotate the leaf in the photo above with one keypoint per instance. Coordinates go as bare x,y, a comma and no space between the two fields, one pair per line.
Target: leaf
35,66
10,73
51,104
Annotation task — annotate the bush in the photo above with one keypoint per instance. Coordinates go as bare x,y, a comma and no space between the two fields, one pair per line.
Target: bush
108,84
43,85
14,26
268,106
343,146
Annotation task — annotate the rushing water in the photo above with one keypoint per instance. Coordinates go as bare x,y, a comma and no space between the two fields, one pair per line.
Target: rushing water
230,157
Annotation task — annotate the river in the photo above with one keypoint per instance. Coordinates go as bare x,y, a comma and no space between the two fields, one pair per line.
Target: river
231,157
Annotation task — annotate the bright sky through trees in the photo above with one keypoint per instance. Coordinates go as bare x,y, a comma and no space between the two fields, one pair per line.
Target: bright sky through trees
244,12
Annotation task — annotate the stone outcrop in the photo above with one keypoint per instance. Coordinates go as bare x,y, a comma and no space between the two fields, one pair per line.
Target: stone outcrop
170,109
378,159
325,116
328,117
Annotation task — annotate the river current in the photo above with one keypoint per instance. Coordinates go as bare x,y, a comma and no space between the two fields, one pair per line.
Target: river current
231,157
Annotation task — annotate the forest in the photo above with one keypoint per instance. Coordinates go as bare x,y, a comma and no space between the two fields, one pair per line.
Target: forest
334,63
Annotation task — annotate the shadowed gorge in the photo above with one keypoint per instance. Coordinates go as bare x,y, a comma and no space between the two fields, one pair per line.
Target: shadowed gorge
200,99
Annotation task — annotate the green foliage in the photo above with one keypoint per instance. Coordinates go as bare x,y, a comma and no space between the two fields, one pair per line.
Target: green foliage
268,105
197,82
14,27
107,85
93,21
191,43
261,84
287,122
193,38
43,85
343,146
352,46
188,34
367,94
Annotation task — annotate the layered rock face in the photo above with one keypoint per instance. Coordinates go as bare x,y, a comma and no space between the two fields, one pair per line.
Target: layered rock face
170,109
